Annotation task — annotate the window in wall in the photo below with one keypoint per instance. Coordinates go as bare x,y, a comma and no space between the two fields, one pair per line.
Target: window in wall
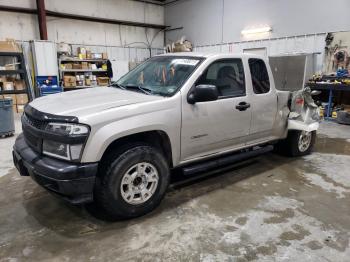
227,75
260,77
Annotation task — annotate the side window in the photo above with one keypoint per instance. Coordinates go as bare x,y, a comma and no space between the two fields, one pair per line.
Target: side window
227,75
260,77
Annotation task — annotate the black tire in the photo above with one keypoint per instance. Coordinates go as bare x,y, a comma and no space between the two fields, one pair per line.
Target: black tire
107,193
343,117
289,146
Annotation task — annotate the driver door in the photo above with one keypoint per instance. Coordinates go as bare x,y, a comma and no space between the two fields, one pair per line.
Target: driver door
217,126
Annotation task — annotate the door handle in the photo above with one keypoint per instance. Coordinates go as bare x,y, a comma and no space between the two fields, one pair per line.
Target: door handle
242,106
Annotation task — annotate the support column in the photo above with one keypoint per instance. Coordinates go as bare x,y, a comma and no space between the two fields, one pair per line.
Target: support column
40,4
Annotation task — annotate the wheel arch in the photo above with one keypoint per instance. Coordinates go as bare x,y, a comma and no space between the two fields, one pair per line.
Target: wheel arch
156,138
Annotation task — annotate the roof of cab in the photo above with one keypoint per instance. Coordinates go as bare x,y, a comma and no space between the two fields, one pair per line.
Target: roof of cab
207,55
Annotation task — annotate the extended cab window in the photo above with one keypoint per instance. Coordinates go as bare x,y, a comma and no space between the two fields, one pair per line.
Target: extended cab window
260,77
227,75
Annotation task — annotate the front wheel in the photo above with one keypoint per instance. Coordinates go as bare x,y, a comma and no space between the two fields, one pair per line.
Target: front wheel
134,183
298,143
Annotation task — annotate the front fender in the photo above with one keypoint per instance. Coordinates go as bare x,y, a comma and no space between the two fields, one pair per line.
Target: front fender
166,121
299,125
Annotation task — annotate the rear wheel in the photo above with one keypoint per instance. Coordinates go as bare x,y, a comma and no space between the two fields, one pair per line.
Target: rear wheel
298,143
304,141
134,183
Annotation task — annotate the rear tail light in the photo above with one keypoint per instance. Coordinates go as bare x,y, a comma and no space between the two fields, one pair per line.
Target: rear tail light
299,101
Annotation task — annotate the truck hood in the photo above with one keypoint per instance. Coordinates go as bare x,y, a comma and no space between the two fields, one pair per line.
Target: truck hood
88,101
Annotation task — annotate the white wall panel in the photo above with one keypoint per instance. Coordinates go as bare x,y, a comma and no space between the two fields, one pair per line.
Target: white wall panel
221,21
201,20
82,32
305,44
18,26
112,9
25,26
20,3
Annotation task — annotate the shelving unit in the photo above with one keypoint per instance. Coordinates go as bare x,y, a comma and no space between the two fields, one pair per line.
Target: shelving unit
82,70
11,72
99,72
81,60
19,72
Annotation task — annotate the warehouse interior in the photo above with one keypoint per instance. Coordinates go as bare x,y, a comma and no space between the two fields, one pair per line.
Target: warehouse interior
70,56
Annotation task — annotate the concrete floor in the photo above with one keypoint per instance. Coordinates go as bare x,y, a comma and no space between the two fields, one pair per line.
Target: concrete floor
268,209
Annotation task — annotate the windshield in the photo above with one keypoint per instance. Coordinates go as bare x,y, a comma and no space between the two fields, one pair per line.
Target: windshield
162,75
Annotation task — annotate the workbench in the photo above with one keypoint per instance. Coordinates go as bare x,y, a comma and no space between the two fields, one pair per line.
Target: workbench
331,88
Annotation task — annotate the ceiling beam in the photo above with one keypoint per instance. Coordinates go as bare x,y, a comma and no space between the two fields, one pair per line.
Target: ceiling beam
80,17
16,9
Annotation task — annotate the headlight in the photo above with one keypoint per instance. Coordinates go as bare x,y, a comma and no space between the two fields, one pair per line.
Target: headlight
67,129
61,150
76,135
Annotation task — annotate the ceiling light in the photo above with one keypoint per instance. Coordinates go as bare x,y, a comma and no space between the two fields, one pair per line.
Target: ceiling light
259,30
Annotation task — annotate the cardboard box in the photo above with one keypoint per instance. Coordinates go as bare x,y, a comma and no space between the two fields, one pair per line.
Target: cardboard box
10,79
88,54
21,99
347,108
9,45
76,66
20,85
84,65
68,66
20,108
8,86
69,81
10,67
104,56
103,81
13,97
67,84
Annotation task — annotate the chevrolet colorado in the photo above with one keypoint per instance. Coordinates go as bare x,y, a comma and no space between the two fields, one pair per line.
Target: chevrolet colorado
116,145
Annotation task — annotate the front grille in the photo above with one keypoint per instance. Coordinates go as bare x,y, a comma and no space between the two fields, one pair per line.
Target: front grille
33,141
31,127
39,124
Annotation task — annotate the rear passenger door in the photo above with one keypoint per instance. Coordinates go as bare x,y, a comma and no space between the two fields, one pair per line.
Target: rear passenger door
216,126
264,101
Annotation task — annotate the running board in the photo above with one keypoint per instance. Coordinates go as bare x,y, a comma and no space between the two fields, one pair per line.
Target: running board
226,160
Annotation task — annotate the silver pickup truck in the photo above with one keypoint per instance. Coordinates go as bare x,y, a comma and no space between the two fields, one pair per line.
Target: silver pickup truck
117,145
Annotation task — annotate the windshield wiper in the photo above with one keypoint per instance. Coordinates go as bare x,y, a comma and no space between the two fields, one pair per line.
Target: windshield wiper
143,89
118,85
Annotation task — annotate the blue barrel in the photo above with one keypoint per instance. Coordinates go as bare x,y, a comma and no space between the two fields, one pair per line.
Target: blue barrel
7,122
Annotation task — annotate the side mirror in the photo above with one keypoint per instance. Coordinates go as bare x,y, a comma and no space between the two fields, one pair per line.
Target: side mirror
315,92
203,93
